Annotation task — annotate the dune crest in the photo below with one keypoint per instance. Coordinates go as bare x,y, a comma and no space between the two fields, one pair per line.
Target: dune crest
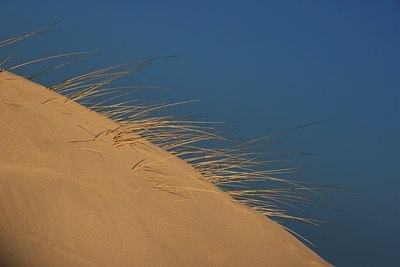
69,199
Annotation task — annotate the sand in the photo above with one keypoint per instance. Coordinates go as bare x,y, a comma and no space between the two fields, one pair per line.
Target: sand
66,200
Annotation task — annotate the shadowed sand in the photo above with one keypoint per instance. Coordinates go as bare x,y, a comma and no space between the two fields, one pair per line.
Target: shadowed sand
69,200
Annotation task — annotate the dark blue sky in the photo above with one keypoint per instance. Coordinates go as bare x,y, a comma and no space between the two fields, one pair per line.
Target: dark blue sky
265,66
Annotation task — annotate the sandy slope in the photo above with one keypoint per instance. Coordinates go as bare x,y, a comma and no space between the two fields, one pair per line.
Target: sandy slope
66,203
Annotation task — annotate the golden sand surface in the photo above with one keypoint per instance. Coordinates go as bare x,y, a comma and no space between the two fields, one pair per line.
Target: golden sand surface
67,199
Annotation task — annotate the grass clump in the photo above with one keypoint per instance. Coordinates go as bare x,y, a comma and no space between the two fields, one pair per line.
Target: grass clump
234,166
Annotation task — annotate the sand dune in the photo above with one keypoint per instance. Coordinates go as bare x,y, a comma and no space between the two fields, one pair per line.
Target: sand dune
66,200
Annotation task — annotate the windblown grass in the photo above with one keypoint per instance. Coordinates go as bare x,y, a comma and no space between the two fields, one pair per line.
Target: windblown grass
233,165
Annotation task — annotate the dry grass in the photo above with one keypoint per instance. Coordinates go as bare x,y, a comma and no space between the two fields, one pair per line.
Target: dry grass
231,166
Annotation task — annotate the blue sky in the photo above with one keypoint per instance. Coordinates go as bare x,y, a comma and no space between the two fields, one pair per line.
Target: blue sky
265,66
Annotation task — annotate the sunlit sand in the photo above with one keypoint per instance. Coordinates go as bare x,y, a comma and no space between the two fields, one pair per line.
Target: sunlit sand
71,196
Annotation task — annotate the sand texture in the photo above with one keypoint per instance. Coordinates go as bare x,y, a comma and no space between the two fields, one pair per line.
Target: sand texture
69,200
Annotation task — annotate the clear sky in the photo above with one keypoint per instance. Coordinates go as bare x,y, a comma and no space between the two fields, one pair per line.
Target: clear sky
265,66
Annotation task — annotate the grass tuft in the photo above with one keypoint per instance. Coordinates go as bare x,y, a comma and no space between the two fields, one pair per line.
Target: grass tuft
235,165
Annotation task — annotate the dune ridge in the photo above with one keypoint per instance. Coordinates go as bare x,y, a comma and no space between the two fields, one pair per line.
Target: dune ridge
69,200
